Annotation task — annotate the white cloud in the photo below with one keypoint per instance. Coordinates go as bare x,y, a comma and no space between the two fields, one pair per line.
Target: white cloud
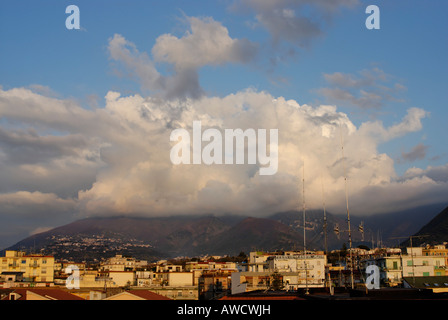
59,160
125,147
371,89
208,43
35,204
416,153
140,64
438,174
40,230
296,22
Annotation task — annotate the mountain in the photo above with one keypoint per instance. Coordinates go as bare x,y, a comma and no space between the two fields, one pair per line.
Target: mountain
386,229
166,237
146,238
252,234
434,232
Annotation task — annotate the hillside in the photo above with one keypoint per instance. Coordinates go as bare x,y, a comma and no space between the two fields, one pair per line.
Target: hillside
434,232
167,237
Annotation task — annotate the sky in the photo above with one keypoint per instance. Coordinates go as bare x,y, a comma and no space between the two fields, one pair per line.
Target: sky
86,114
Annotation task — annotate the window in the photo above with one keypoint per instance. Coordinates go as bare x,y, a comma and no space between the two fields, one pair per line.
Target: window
409,262
395,265
426,274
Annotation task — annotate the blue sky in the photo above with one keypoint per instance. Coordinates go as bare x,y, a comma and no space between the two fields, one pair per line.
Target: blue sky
405,62
411,46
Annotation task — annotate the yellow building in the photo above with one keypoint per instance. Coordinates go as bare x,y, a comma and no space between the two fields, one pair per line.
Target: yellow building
36,268
439,250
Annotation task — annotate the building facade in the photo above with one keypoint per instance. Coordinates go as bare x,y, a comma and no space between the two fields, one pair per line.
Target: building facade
417,262
37,269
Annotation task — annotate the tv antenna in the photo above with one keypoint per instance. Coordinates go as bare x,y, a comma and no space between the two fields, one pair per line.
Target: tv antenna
348,212
325,217
304,226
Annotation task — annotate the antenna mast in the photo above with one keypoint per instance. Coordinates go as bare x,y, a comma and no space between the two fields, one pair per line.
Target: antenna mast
348,213
304,227
325,217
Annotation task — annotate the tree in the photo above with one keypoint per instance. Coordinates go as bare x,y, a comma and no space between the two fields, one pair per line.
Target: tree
276,281
343,251
361,246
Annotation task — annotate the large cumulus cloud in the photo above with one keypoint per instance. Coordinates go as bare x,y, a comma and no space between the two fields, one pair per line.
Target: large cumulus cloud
115,159
61,161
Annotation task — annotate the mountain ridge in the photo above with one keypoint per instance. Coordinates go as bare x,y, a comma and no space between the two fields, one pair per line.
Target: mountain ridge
195,235
434,232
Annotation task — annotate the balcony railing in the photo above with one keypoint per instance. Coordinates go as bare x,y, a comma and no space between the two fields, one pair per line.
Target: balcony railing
391,269
302,267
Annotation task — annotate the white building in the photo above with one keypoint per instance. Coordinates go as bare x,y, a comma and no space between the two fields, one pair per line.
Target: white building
418,264
120,263
122,278
390,268
294,267
298,270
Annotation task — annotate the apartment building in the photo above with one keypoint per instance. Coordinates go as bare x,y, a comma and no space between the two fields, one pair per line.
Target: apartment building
176,285
295,269
300,270
38,269
210,265
258,261
439,250
120,263
419,262
164,266
390,267
214,283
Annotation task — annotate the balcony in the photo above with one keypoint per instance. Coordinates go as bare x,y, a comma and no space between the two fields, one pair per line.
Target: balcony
34,265
390,269
302,267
